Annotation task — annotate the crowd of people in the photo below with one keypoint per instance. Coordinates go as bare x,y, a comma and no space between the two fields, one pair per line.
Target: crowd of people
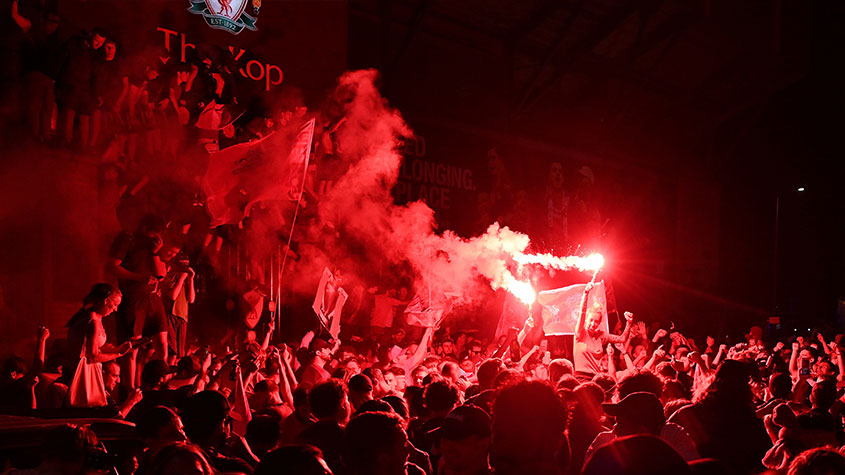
382,396
636,402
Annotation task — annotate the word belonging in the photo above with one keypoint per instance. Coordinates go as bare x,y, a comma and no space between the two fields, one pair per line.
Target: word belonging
431,182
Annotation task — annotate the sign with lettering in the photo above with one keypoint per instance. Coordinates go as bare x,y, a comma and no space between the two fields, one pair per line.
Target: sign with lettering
270,74
263,63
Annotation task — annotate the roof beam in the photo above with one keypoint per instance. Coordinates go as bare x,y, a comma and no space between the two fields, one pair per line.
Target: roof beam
413,28
540,16
583,47
549,54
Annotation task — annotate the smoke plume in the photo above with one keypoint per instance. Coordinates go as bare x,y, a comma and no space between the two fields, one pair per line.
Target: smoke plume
364,233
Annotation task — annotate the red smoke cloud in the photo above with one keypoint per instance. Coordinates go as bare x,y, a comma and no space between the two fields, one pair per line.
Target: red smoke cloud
362,232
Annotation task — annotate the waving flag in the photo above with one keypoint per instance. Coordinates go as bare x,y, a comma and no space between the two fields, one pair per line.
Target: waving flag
514,314
240,412
328,302
561,307
272,168
423,311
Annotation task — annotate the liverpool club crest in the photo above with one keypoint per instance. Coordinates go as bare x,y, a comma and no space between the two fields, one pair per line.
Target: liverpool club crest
227,15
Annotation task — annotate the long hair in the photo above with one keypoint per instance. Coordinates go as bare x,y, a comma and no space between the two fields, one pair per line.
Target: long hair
96,296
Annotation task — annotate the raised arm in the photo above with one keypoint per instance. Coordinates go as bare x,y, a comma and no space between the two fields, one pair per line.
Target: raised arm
837,355
500,352
582,315
177,284
285,387
793,360
823,344
286,359
22,22
422,349
271,327
202,379
626,333
658,355
134,398
630,367
306,339
520,366
526,329
40,351
723,348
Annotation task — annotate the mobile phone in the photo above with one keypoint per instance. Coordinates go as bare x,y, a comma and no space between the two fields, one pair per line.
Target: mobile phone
143,342
515,351
804,368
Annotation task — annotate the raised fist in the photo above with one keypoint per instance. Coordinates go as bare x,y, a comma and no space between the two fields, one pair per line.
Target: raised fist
136,396
156,242
629,316
695,357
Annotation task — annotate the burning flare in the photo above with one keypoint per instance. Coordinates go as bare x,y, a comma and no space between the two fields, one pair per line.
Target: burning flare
593,262
521,290
525,292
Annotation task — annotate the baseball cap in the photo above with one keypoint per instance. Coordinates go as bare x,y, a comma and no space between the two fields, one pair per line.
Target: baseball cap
188,366
318,344
155,371
640,406
360,383
642,453
463,422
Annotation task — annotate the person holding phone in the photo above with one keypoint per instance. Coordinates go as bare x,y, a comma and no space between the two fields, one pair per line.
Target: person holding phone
135,261
177,294
87,341
801,362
